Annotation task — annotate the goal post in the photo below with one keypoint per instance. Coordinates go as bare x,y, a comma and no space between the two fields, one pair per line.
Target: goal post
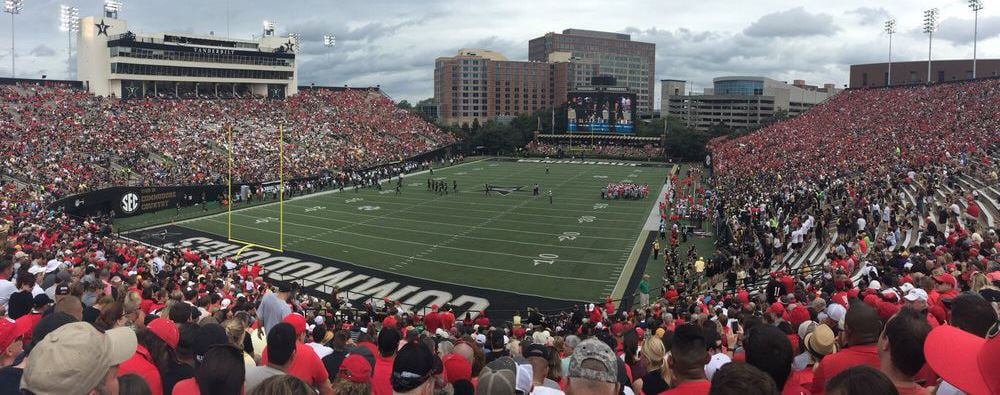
280,193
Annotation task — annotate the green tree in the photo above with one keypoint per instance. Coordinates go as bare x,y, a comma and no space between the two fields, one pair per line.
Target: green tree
404,105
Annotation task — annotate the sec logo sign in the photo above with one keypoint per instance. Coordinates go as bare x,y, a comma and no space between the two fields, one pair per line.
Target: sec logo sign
130,202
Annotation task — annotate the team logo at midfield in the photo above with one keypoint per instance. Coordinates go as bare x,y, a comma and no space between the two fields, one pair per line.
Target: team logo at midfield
130,202
503,190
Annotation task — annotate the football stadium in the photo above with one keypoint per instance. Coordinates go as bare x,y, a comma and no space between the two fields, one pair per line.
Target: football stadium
274,211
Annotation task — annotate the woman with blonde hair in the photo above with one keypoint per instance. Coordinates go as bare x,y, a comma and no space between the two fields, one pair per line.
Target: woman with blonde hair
978,281
656,380
282,384
235,331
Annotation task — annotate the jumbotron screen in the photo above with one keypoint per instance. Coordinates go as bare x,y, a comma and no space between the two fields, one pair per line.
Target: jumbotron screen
600,112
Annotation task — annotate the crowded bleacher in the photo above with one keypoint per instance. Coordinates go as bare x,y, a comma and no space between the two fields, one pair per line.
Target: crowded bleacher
857,253
603,150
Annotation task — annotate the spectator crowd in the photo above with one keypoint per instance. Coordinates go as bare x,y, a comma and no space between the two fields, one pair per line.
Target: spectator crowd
882,313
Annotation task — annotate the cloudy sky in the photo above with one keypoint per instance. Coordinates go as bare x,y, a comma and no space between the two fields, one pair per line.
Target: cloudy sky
394,43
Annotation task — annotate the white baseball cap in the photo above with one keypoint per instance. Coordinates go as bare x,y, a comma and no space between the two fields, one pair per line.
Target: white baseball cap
916,294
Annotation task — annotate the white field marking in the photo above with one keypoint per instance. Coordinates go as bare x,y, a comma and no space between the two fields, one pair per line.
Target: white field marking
572,236
586,218
438,214
546,258
519,272
600,176
265,220
452,224
396,199
396,228
354,200
411,276
416,184
461,173
477,169
386,192
599,206
314,208
369,208
439,178
297,198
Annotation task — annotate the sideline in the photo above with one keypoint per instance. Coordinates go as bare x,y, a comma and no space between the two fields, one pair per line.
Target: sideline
640,244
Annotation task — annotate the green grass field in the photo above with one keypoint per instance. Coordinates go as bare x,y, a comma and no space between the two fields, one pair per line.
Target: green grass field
573,249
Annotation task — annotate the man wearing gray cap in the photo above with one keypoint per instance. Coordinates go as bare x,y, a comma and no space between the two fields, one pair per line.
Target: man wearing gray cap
593,369
77,359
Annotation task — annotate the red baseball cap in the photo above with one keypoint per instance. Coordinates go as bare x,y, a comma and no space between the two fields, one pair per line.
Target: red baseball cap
296,321
355,368
8,333
966,361
166,330
946,278
456,367
777,309
798,315
389,322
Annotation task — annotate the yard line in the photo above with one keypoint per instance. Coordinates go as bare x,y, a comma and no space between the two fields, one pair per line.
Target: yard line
485,211
441,246
379,199
423,222
396,228
520,272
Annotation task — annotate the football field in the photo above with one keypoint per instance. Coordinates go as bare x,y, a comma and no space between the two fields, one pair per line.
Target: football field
574,248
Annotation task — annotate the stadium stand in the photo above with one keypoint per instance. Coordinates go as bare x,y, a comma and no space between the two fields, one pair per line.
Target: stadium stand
872,211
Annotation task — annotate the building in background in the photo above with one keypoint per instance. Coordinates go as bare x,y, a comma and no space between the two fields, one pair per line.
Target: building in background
740,102
428,108
632,63
478,85
113,60
876,75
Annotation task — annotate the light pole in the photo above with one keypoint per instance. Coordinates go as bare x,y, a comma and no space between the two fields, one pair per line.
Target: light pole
890,29
268,27
975,5
930,24
329,41
69,22
12,7
111,8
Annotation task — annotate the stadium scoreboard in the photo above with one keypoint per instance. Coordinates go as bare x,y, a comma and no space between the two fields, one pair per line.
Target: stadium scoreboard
608,110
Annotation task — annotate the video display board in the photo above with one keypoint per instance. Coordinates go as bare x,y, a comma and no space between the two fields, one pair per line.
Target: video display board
600,112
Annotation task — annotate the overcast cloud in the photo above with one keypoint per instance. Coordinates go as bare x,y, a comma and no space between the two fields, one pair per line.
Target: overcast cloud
394,43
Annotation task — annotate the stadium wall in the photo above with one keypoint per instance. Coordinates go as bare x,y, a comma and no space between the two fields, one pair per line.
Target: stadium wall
131,201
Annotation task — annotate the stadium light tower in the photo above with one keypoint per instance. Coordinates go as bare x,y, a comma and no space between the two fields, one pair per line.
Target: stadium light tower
329,40
268,27
975,5
12,7
69,22
890,29
111,8
930,25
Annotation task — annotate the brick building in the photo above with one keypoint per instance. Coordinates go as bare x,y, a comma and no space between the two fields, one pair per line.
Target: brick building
479,84
874,75
632,63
